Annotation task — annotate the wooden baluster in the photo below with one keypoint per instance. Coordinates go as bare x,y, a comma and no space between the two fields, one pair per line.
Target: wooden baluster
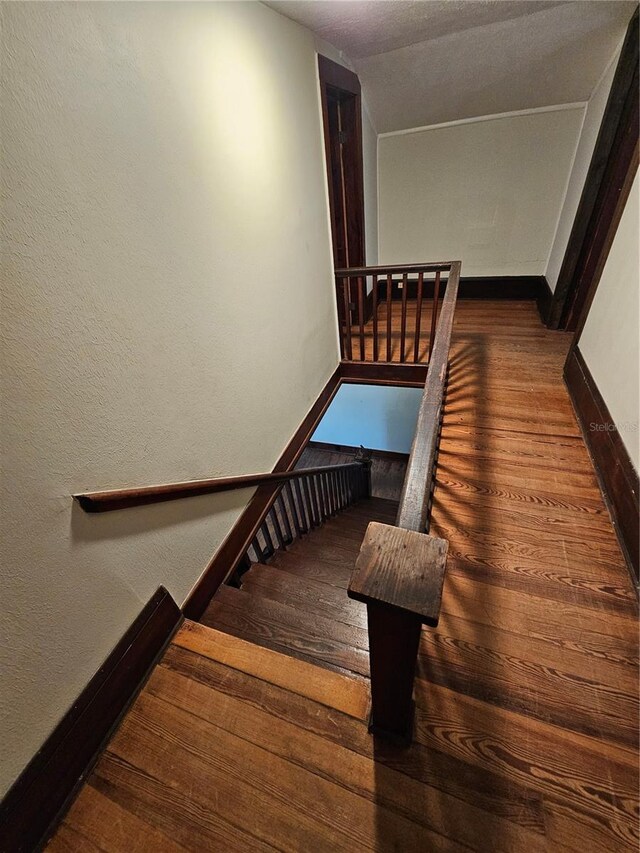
306,489
301,500
346,287
389,286
327,495
434,313
324,497
317,518
289,537
361,316
374,303
343,489
416,345
275,521
294,510
258,550
337,490
266,533
333,481
403,322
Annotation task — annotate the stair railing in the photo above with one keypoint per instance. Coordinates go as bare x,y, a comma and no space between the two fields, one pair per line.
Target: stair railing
301,499
303,502
366,316
143,495
399,573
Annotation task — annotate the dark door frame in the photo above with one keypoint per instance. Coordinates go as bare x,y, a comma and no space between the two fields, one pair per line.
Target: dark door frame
604,194
336,80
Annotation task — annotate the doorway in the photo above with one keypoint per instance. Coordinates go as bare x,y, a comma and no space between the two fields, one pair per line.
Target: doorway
342,119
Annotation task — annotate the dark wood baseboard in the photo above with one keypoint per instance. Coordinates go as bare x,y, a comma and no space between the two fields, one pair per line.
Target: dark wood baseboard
472,287
384,373
241,534
617,477
38,798
347,448
544,299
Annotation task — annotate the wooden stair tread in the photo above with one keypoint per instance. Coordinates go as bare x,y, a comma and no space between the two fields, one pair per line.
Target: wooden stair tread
334,689
284,628
311,596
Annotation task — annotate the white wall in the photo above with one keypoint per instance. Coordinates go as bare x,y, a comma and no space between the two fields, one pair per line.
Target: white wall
485,191
609,340
168,310
378,417
589,133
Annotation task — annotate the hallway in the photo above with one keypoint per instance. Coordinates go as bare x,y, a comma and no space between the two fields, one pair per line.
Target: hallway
527,691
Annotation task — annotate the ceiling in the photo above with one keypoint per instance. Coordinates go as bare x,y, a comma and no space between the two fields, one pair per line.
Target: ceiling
433,61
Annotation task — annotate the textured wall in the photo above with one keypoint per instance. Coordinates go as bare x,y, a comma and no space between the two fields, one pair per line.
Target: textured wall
168,309
609,340
488,192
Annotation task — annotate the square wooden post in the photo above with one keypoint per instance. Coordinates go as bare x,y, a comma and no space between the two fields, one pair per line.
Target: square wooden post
399,575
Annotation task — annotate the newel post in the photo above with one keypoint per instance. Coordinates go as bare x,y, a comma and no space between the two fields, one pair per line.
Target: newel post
399,576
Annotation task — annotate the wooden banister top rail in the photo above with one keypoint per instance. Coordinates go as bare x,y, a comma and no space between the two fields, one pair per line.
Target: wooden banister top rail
125,498
391,269
414,501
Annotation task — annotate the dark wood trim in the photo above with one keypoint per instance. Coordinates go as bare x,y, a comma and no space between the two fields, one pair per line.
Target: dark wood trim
235,545
415,500
347,448
37,799
596,208
393,269
617,193
142,496
384,373
338,76
340,80
617,477
545,296
475,287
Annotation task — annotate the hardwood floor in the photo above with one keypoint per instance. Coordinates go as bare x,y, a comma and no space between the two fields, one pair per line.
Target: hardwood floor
252,735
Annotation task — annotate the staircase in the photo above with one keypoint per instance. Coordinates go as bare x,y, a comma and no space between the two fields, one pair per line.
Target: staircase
297,602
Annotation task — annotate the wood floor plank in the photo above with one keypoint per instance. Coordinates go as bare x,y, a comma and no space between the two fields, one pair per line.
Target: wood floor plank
390,790
92,811
308,595
595,778
337,691
486,791
304,799
285,629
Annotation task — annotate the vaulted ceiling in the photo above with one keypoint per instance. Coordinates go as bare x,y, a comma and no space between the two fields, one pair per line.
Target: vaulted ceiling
433,61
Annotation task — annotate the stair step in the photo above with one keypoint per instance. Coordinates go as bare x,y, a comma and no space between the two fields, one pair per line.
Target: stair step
328,564
312,597
341,691
283,628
